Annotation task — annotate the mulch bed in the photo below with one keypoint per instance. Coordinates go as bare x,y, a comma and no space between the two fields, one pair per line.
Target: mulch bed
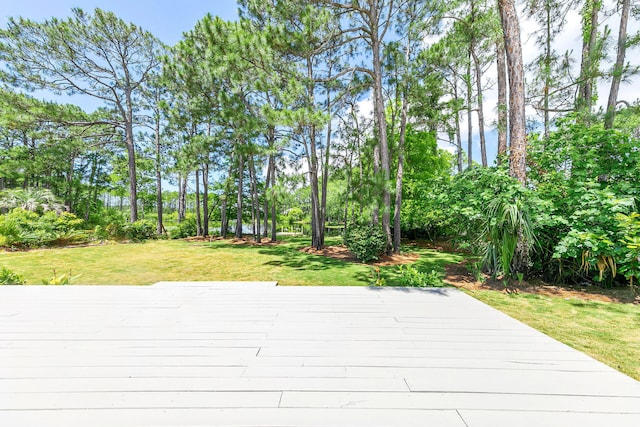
459,276
342,253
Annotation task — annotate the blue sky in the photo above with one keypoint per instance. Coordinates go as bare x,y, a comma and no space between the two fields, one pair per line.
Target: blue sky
166,19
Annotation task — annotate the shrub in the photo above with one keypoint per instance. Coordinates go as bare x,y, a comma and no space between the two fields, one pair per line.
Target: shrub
186,228
10,230
412,277
64,222
140,230
24,228
113,230
366,242
8,277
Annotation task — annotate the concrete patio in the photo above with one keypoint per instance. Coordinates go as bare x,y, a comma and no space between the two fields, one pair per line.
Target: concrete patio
254,354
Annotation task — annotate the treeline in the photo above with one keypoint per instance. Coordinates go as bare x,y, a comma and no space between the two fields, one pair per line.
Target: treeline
261,116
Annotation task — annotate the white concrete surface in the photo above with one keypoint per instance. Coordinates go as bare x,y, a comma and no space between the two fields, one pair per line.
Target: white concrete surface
254,354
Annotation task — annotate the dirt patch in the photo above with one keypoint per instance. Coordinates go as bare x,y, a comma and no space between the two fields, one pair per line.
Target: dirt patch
342,253
459,276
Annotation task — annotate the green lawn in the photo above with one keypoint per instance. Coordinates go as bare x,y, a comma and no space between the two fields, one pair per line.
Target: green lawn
176,260
609,332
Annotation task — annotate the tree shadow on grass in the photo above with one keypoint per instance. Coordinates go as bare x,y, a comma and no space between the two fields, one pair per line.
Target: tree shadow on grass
287,255
293,258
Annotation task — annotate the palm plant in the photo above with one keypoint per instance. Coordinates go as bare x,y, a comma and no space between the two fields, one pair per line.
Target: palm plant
30,199
508,230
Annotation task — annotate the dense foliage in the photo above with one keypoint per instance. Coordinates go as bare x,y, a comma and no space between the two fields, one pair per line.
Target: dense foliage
22,228
412,277
366,242
578,213
186,228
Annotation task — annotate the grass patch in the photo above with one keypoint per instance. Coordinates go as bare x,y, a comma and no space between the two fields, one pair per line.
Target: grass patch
608,332
167,260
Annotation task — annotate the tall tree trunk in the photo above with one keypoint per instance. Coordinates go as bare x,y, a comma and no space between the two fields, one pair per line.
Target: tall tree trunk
347,194
253,206
224,219
255,200
398,202
274,230
312,161
619,66
131,158
590,13
459,142
478,71
95,189
502,100
224,214
198,217
547,69
397,235
239,200
92,184
325,174
379,112
205,199
361,176
517,123
469,117
374,17
457,119
316,227
182,197
68,198
158,166
517,130
376,173
265,207
267,182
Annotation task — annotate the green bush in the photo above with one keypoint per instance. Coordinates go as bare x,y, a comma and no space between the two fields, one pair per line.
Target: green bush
412,277
140,230
186,228
366,242
8,277
22,228
64,222
114,230
116,225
